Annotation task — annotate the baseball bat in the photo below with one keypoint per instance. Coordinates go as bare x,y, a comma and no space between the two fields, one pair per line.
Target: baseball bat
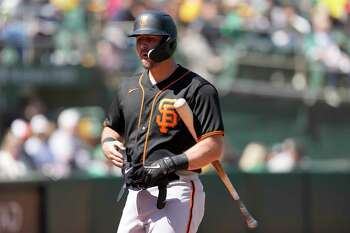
186,115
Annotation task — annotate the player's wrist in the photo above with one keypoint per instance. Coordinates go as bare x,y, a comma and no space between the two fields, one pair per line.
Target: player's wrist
175,163
180,161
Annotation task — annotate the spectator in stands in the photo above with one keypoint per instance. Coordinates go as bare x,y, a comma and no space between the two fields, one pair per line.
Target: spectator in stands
189,11
198,42
36,146
68,149
172,7
285,158
33,106
111,8
15,36
128,9
289,28
209,22
327,61
253,158
13,161
46,24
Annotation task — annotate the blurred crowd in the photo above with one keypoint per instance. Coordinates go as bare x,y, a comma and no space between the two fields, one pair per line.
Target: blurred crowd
56,148
212,32
214,36
285,156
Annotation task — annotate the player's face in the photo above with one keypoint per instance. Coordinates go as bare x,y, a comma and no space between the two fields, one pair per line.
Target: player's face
144,44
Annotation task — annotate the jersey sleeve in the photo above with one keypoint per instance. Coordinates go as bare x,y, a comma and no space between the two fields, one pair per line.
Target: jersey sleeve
114,117
207,112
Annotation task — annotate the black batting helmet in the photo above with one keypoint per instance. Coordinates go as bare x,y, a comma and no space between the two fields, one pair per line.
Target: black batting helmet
160,24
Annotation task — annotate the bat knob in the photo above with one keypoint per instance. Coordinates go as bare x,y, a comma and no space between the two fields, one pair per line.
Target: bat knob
252,223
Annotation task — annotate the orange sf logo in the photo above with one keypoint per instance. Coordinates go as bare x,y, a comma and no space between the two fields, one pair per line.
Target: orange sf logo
168,117
143,20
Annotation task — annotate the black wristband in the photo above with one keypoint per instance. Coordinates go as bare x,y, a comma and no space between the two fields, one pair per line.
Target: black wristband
180,161
108,139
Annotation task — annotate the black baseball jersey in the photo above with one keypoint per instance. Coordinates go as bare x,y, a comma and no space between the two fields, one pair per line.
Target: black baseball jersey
144,114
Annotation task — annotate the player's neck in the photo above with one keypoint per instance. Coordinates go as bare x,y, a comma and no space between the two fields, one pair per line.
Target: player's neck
163,70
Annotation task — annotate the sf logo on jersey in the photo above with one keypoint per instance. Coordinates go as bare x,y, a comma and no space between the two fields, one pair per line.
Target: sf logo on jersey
167,117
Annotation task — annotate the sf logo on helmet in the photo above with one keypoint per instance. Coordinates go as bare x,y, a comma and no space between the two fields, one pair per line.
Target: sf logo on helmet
168,117
143,20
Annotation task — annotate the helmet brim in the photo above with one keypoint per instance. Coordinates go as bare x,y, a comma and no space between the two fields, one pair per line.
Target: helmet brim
147,31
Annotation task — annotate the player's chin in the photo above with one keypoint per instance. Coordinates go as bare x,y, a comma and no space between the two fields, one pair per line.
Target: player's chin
147,64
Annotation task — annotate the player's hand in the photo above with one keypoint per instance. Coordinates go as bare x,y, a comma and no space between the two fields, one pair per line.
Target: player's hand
134,176
158,170
112,151
155,173
143,177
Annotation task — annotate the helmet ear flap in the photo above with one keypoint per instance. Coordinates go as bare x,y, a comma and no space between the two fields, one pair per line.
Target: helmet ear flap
163,50
172,45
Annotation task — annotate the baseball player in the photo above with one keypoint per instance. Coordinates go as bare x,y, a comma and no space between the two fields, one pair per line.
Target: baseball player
144,135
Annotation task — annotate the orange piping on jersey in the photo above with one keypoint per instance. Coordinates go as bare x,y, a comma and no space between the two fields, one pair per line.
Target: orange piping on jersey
149,126
191,207
214,133
142,100
150,117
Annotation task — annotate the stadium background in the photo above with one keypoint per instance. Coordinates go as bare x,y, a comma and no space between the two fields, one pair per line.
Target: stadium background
282,69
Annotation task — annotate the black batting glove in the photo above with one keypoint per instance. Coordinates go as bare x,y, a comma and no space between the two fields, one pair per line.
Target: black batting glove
160,168
134,176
